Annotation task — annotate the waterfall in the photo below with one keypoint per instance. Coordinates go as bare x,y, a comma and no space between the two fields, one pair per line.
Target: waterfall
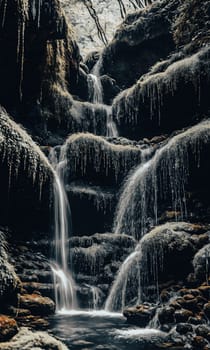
95,297
117,296
139,200
95,90
63,281
163,178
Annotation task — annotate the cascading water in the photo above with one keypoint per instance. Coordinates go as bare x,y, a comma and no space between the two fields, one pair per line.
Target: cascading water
95,89
141,190
117,297
164,177
64,282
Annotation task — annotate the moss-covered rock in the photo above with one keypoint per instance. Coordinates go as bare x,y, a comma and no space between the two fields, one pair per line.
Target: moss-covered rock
26,179
142,39
174,95
201,263
96,159
166,254
9,282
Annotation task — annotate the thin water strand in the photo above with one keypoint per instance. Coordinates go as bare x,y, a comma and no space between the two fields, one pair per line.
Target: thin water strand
64,283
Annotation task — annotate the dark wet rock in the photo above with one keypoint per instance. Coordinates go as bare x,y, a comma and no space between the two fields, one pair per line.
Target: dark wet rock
199,342
91,59
201,262
143,38
203,331
140,315
196,320
37,304
207,309
166,315
184,328
110,89
182,315
165,295
205,290
8,328
96,202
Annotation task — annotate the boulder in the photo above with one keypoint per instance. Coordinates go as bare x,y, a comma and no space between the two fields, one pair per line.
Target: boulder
182,315
37,304
184,328
166,254
166,315
27,340
201,263
8,328
140,315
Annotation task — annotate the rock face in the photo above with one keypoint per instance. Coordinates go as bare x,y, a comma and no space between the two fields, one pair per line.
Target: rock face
142,34
26,179
39,39
143,39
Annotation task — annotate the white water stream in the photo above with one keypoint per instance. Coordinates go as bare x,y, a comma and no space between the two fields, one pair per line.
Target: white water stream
95,89
64,283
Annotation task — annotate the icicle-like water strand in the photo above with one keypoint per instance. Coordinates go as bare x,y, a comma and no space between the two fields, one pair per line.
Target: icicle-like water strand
117,298
95,89
164,177
64,283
